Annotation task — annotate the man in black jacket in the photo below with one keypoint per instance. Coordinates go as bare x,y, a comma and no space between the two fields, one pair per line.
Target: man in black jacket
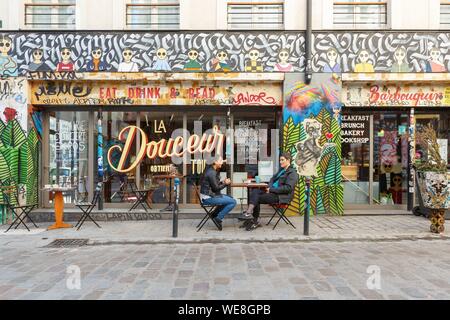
210,187
280,190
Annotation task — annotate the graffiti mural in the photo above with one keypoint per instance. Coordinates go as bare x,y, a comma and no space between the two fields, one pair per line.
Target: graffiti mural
382,51
13,101
312,134
144,52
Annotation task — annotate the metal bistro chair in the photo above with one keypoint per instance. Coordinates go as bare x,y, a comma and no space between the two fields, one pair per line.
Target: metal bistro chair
209,209
21,212
86,208
280,209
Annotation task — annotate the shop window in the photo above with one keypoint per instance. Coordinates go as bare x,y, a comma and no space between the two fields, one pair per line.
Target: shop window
50,14
118,187
153,14
360,14
68,147
261,14
445,14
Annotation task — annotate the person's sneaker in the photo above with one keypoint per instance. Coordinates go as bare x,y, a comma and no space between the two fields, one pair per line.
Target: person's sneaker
245,216
253,226
246,224
218,222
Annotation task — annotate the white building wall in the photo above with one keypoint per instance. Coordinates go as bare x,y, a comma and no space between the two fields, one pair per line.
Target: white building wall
212,14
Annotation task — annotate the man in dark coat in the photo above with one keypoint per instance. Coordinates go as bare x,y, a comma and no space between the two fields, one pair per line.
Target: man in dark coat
280,190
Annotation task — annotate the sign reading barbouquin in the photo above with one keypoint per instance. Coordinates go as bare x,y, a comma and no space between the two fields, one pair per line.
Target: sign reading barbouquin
408,95
154,93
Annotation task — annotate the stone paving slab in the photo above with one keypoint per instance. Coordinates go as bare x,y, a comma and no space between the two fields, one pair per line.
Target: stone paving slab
322,228
330,270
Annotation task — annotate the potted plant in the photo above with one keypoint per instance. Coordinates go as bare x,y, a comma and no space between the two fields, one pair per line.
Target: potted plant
432,178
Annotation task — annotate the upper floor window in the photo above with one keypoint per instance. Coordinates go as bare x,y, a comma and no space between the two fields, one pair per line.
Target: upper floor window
50,14
360,13
256,14
153,14
445,14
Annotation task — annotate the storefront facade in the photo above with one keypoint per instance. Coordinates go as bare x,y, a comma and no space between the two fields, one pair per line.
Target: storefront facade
380,114
59,89
163,108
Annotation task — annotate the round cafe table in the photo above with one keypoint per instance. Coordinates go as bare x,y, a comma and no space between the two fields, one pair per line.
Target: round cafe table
58,201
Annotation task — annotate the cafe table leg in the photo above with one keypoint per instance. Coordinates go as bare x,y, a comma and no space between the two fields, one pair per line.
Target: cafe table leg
59,212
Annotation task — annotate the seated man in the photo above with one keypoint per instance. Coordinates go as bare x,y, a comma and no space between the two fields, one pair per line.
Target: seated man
280,190
210,187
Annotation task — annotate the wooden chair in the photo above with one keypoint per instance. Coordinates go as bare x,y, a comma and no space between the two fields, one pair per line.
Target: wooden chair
209,209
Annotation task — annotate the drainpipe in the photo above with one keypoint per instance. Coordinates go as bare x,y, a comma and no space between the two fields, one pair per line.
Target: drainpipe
308,41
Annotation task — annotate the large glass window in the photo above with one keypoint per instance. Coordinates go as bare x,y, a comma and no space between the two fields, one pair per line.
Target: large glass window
50,14
256,14
360,13
118,186
153,14
68,147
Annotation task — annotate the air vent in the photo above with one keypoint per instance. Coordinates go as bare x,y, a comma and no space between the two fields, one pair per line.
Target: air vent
67,243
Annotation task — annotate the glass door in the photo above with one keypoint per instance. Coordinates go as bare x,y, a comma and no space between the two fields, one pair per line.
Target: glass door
390,156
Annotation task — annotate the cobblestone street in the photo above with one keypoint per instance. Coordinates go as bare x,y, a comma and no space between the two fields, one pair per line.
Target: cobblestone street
139,260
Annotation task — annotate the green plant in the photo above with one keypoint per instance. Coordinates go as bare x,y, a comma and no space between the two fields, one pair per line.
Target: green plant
427,139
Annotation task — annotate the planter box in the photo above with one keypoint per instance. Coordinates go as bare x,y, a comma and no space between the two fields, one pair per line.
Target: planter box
434,189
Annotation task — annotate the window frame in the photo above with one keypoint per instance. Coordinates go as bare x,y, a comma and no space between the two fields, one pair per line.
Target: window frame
446,25
144,26
51,4
252,24
364,26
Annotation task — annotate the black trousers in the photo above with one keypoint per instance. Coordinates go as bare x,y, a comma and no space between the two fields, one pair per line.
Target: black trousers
258,196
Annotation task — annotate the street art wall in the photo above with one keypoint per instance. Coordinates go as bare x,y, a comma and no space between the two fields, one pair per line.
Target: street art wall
19,147
312,134
333,52
381,52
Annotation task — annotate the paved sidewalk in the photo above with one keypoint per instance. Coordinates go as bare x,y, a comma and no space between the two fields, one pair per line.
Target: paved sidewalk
322,228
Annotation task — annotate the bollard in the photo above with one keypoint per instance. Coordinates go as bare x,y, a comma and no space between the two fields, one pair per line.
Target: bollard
176,188
306,215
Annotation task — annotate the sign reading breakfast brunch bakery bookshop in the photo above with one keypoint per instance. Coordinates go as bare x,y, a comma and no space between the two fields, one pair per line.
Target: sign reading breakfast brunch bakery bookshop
155,93
393,95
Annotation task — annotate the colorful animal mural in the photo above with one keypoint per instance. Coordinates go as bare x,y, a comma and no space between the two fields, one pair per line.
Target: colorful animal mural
309,120
334,52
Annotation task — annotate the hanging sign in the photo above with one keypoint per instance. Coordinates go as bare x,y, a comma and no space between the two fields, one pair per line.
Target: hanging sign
163,148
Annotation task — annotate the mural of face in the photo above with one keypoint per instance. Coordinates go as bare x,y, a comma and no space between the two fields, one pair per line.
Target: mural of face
97,53
254,55
283,56
220,62
283,65
332,65
364,64
37,56
400,55
193,64
161,54
65,55
161,63
332,56
5,45
127,54
193,55
363,56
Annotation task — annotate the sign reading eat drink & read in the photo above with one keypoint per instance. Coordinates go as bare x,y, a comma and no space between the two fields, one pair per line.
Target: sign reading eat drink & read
154,93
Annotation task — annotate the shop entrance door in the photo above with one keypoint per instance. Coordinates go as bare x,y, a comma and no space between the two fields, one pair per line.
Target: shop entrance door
390,157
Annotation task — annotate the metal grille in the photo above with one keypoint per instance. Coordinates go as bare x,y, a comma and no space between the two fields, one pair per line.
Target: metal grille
50,15
252,15
67,243
366,13
158,16
445,15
